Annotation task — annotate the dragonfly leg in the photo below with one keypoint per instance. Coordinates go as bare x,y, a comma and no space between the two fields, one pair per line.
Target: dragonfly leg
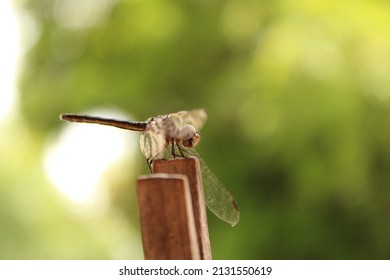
149,162
181,152
173,150
175,144
180,149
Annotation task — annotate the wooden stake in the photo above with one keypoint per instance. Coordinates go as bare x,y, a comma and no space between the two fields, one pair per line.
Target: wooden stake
167,219
190,167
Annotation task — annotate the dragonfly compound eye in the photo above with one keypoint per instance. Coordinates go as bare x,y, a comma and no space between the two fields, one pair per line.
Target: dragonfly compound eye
186,132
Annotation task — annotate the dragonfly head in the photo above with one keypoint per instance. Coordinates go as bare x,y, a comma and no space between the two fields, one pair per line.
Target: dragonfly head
189,136
193,141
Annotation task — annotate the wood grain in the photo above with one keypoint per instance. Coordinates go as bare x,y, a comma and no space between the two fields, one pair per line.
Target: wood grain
167,218
190,167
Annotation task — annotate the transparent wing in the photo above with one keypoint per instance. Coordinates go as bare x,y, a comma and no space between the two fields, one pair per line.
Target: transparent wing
196,118
217,197
152,143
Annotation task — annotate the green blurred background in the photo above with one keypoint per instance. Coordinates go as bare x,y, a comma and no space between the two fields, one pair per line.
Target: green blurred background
297,94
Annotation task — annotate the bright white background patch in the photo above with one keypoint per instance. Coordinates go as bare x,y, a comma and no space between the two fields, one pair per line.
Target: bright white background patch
78,159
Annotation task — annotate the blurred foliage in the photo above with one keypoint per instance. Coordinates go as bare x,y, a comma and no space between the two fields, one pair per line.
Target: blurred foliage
298,99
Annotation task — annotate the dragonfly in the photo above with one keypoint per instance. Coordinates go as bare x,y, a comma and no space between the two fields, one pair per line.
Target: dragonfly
174,135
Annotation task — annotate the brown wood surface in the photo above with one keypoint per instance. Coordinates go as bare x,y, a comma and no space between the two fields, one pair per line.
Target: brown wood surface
190,167
167,219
